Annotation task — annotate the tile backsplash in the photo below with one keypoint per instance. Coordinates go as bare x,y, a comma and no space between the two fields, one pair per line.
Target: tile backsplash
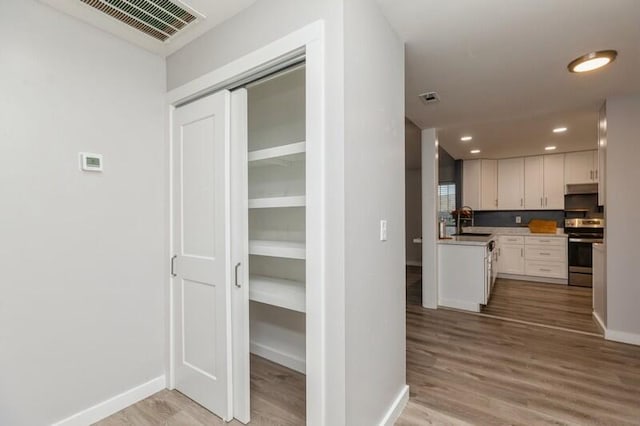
508,218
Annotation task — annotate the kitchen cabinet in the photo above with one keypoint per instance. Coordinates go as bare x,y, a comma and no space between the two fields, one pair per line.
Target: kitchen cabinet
534,183
553,182
511,184
602,154
471,178
480,184
488,184
511,255
581,167
545,257
544,182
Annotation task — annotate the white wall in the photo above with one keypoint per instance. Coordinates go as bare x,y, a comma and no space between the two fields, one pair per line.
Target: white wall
374,182
81,305
429,218
263,22
623,234
413,193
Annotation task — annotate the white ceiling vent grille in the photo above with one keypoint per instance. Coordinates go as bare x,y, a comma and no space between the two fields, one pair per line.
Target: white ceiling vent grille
430,97
160,19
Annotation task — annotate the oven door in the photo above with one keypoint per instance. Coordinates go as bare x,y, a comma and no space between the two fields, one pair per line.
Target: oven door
581,261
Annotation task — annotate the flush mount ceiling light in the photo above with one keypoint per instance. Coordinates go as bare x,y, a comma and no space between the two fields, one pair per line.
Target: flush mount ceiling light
466,138
475,151
592,61
559,130
549,148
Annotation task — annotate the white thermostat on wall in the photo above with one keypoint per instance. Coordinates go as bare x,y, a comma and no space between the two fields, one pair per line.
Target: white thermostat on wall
90,162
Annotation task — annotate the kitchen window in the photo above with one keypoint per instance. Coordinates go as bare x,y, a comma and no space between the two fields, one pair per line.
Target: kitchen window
446,202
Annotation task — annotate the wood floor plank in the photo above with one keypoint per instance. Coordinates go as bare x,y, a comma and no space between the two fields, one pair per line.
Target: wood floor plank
540,303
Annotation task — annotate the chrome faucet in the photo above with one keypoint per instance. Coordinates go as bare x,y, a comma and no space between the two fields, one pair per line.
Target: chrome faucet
459,225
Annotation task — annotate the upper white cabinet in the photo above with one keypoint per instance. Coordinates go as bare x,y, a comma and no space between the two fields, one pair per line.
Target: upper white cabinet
488,184
534,183
471,181
511,184
480,184
544,182
554,182
581,167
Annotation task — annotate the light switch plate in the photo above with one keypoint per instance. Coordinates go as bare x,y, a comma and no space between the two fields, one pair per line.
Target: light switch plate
518,219
383,230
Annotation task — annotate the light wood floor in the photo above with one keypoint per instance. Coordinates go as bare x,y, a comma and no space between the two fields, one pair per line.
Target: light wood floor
277,398
547,304
468,368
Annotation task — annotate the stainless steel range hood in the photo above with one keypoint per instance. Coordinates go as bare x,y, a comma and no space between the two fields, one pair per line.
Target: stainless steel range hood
582,188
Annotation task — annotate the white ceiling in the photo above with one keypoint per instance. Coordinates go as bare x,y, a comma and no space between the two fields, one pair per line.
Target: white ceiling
209,12
499,67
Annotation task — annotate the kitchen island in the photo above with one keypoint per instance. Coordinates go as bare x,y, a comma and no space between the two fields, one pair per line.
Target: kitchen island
465,271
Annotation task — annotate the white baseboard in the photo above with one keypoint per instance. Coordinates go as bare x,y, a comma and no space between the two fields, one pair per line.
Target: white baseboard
600,322
288,360
396,408
459,304
112,405
622,337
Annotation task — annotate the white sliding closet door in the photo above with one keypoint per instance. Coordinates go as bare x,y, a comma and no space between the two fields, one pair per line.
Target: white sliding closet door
201,240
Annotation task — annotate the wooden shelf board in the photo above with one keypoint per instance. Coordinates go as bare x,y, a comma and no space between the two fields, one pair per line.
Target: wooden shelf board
278,292
275,202
285,249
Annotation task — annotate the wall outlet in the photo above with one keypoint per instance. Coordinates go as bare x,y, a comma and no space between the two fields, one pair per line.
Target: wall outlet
383,230
518,219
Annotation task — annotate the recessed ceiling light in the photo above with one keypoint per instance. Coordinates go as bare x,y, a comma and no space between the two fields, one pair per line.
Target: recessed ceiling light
475,151
549,148
592,61
466,138
559,130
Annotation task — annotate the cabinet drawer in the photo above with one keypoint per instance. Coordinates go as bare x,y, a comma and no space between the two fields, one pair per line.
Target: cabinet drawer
545,269
511,239
552,253
546,241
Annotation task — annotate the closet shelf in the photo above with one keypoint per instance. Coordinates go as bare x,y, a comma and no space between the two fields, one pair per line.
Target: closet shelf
277,292
275,202
283,154
285,249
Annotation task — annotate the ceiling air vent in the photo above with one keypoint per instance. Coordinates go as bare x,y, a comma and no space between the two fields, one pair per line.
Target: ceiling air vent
160,19
429,97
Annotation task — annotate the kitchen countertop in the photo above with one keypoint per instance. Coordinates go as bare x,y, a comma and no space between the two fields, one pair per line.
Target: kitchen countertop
467,240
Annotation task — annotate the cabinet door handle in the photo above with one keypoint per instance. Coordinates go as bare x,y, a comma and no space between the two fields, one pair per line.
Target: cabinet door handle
541,202
546,201
521,202
235,282
591,174
173,261
521,252
496,202
596,174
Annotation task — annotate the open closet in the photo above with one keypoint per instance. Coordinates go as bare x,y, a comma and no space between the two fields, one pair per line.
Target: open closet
240,232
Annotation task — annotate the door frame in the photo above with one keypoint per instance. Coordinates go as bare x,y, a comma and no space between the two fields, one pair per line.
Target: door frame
310,42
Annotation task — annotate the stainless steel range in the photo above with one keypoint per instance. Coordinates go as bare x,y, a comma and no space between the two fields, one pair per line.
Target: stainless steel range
582,234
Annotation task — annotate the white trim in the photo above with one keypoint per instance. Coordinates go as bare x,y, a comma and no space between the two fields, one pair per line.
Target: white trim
622,337
279,357
600,322
544,280
112,405
290,43
459,304
310,39
396,408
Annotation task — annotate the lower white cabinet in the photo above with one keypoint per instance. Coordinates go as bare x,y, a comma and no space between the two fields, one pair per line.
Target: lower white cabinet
511,259
533,256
